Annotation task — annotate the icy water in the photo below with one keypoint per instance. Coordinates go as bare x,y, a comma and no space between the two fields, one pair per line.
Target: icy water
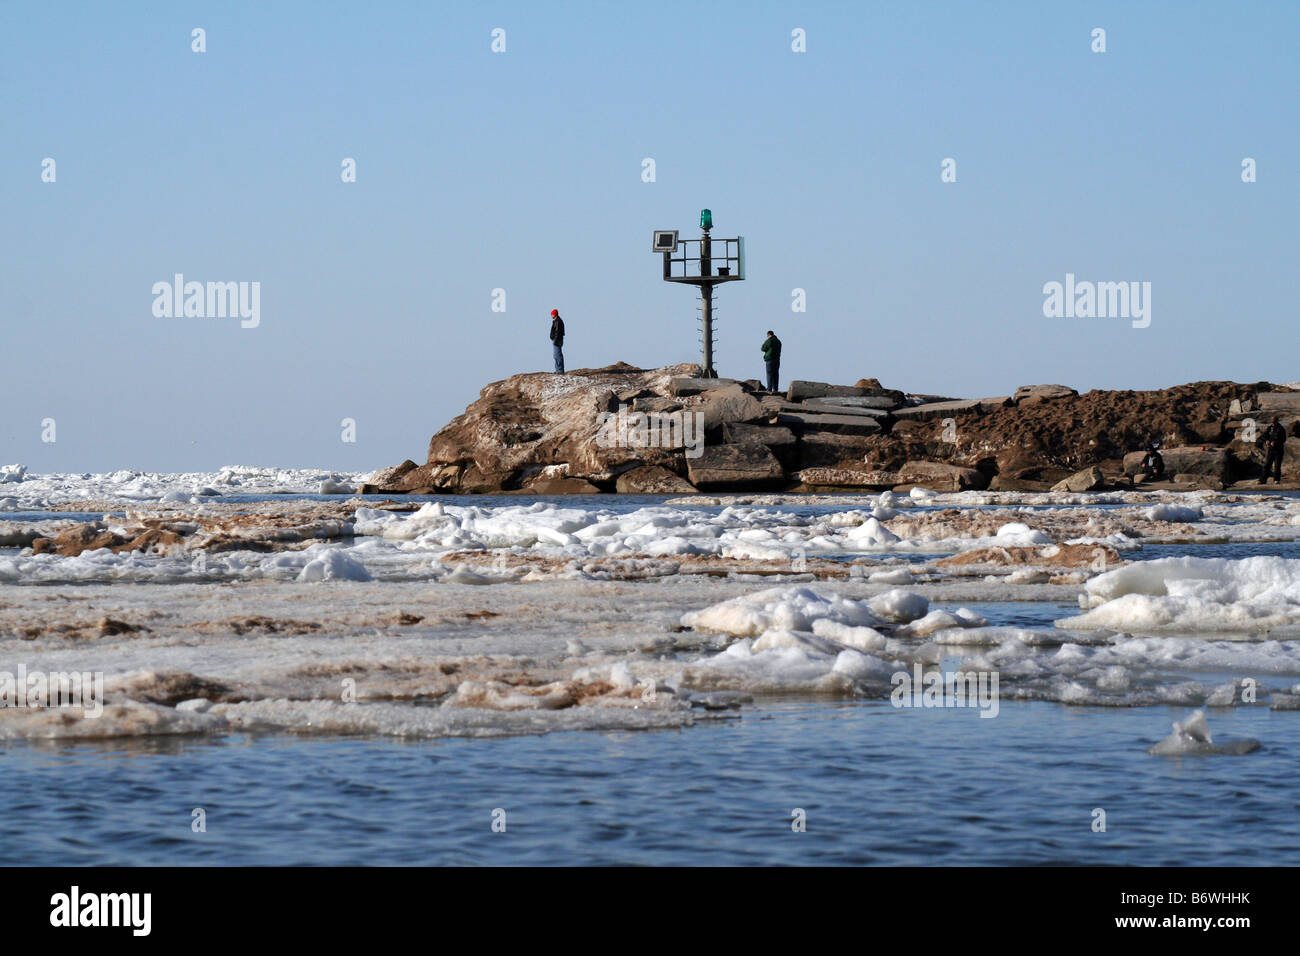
873,783
877,785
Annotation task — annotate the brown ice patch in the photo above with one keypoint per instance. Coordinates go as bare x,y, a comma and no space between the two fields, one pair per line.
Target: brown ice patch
1045,556
78,630
626,568
172,687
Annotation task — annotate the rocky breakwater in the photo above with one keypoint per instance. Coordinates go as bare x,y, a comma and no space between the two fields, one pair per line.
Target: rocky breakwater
668,431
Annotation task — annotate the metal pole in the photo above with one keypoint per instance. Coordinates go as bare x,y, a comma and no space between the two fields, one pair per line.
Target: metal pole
706,302
706,312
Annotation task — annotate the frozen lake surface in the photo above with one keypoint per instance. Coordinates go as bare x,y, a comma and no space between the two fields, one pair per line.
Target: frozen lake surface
648,680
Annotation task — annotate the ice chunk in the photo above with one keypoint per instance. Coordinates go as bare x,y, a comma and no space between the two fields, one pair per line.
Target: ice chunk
1194,594
871,533
793,608
333,486
895,576
1171,512
1192,736
861,638
899,606
334,564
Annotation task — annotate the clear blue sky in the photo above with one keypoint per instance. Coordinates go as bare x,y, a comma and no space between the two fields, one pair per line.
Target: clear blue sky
522,170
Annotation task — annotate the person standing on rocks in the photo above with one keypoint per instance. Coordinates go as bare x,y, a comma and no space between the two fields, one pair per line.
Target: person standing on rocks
1274,441
557,339
772,359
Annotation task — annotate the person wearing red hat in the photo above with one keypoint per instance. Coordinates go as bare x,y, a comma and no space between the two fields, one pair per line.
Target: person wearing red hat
557,339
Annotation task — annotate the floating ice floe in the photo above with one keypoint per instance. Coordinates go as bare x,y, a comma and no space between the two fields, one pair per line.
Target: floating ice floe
1194,595
1172,512
1192,736
333,564
791,608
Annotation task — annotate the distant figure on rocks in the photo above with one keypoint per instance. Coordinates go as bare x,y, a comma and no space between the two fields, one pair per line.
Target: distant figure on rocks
557,339
1274,442
1153,465
772,359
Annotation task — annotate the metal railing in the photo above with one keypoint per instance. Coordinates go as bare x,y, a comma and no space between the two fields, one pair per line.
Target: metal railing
722,261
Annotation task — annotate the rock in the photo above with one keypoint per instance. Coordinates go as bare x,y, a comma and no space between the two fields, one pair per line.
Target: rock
630,395
942,476
847,478
656,405
1210,432
842,424
1032,394
1199,482
929,399
691,385
652,480
822,407
1277,403
750,465
730,403
1003,483
872,387
388,476
1089,479
799,390
780,441
561,486
1193,460
944,409
833,450
881,402
774,404
773,436
531,421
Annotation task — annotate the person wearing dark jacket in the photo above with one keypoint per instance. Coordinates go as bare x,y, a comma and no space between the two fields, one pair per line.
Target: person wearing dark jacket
772,359
557,339
1274,442
1153,465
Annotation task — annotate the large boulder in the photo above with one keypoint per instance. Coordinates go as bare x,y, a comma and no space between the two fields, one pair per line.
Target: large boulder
561,486
1089,479
533,421
1033,394
821,406
683,385
780,441
833,450
652,480
879,402
800,390
731,403
750,465
829,478
942,476
801,422
657,404
1189,460
872,386
1282,404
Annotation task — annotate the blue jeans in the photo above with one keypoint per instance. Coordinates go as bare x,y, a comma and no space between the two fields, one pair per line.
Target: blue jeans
559,359
773,373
